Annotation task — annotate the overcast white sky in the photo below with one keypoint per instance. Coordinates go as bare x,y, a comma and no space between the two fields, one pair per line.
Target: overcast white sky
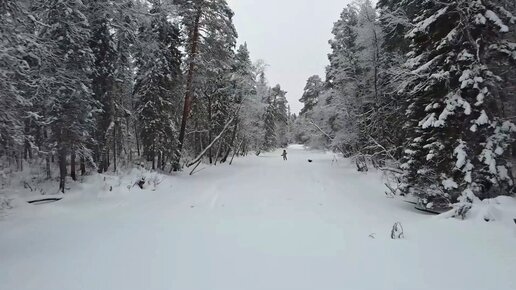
290,35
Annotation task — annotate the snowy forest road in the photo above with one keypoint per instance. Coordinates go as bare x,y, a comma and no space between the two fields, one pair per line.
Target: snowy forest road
261,224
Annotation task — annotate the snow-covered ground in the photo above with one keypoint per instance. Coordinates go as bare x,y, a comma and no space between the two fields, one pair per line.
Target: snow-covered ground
261,224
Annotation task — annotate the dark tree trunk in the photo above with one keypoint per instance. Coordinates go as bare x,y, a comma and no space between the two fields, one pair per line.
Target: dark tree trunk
210,132
20,158
83,166
159,160
114,148
27,151
137,140
194,42
72,165
217,154
153,156
62,167
47,167
106,161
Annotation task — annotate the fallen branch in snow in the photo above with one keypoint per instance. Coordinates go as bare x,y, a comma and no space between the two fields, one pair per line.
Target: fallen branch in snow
201,155
392,192
193,170
27,185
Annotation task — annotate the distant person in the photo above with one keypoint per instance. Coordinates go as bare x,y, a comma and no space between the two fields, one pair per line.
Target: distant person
284,154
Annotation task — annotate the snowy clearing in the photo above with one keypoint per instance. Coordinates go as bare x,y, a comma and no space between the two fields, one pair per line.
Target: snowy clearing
260,224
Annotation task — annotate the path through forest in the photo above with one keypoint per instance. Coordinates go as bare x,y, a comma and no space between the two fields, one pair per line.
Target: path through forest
261,224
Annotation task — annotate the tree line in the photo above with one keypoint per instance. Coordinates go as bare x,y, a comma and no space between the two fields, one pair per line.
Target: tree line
425,89
97,85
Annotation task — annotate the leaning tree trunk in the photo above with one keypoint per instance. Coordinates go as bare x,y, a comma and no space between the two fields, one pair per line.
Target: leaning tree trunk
199,157
231,143
194,43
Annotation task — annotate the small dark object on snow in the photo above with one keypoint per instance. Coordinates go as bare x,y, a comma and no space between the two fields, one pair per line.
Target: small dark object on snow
141,182
514,221
310,160
45,200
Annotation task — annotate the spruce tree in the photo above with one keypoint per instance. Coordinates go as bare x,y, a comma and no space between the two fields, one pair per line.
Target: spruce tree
158,85
20,58
280,115
69,104
215,18
314,86
457,140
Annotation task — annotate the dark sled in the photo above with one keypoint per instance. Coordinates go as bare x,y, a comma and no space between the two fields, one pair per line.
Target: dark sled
422,207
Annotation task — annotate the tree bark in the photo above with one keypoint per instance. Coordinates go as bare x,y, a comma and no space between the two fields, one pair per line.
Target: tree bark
47,166
194,42
153,156
137,140
210,132
217,154
72,165
83,166
114,148
62,167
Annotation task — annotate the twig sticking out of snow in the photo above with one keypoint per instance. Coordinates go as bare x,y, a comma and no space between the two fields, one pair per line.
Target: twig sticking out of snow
397,231
391,193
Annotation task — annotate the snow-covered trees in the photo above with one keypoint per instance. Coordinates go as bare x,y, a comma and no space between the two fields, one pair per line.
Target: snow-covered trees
426,84
102,83
113,28
211,37
158,86
347,101
314,86
276,119
68,104
18,59
457,140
